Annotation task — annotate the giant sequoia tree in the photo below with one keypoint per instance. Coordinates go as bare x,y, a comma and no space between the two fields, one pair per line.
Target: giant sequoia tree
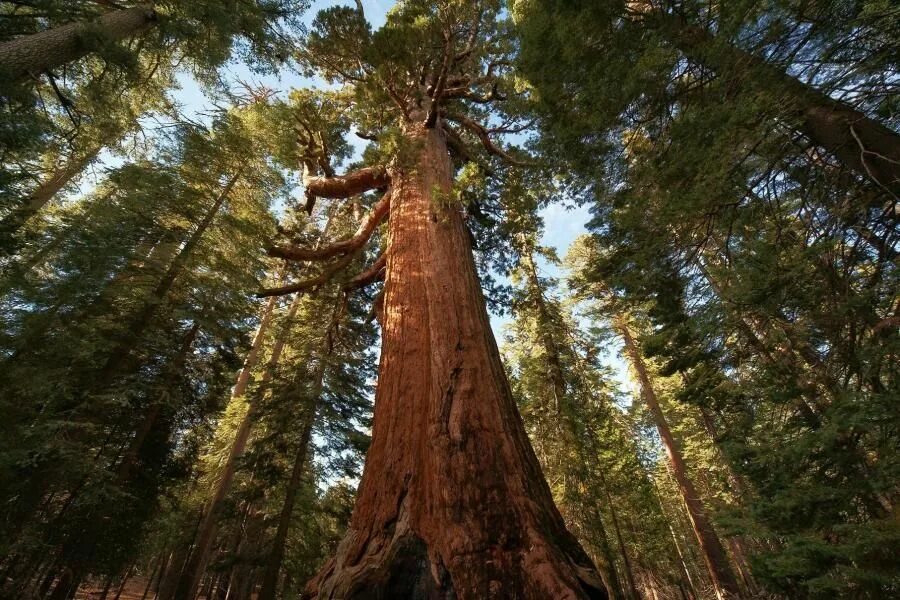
452,502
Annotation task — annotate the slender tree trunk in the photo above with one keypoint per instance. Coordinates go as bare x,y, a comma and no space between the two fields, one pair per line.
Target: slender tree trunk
153,573
682,563
273,566
125,578
77,551
45,192
132,453
193,572
33,54
711,546
140,322
620,542
858,141
178,563
452,502
549,338
252,359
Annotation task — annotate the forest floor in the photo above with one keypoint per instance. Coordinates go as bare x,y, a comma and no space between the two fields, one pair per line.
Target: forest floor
134,590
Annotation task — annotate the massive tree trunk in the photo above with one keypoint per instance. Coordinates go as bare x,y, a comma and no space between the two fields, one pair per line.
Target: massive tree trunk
714,554
858,141
33,54
193,571
452,502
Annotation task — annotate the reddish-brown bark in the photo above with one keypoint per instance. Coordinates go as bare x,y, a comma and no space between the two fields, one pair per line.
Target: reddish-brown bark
711,547
344,186
452,502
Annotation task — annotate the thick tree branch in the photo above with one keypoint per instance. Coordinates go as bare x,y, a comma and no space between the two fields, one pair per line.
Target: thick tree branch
458,145
438,92
344,186
312,283
359,239
370,275
482,133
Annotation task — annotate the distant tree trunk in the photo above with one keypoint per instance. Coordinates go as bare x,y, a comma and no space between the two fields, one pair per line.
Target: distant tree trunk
178,563
549,339
858,141
45,192
131,457
273,565
713,552
620,542
452,502
158,565
77,551
193,572
31,55
140,322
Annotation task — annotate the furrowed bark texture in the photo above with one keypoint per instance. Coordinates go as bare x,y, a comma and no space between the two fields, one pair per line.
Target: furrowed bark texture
452,502
711,547
33,54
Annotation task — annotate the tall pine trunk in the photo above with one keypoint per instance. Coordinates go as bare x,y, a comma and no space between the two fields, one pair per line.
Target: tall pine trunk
713,551
31,55
452,502
273,565
193,572
43,194
858,141
566,430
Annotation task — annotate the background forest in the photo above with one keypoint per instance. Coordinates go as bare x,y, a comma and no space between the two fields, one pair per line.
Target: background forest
208,235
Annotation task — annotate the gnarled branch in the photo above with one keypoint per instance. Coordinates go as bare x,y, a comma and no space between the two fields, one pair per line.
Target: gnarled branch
458,145
312,283
370,275
344,186
482,133
359,239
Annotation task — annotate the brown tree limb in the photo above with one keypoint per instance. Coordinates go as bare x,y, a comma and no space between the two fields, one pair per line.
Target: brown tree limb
458,145
438,92
344,186
467,93
482,133
311,283
363,234
371,275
